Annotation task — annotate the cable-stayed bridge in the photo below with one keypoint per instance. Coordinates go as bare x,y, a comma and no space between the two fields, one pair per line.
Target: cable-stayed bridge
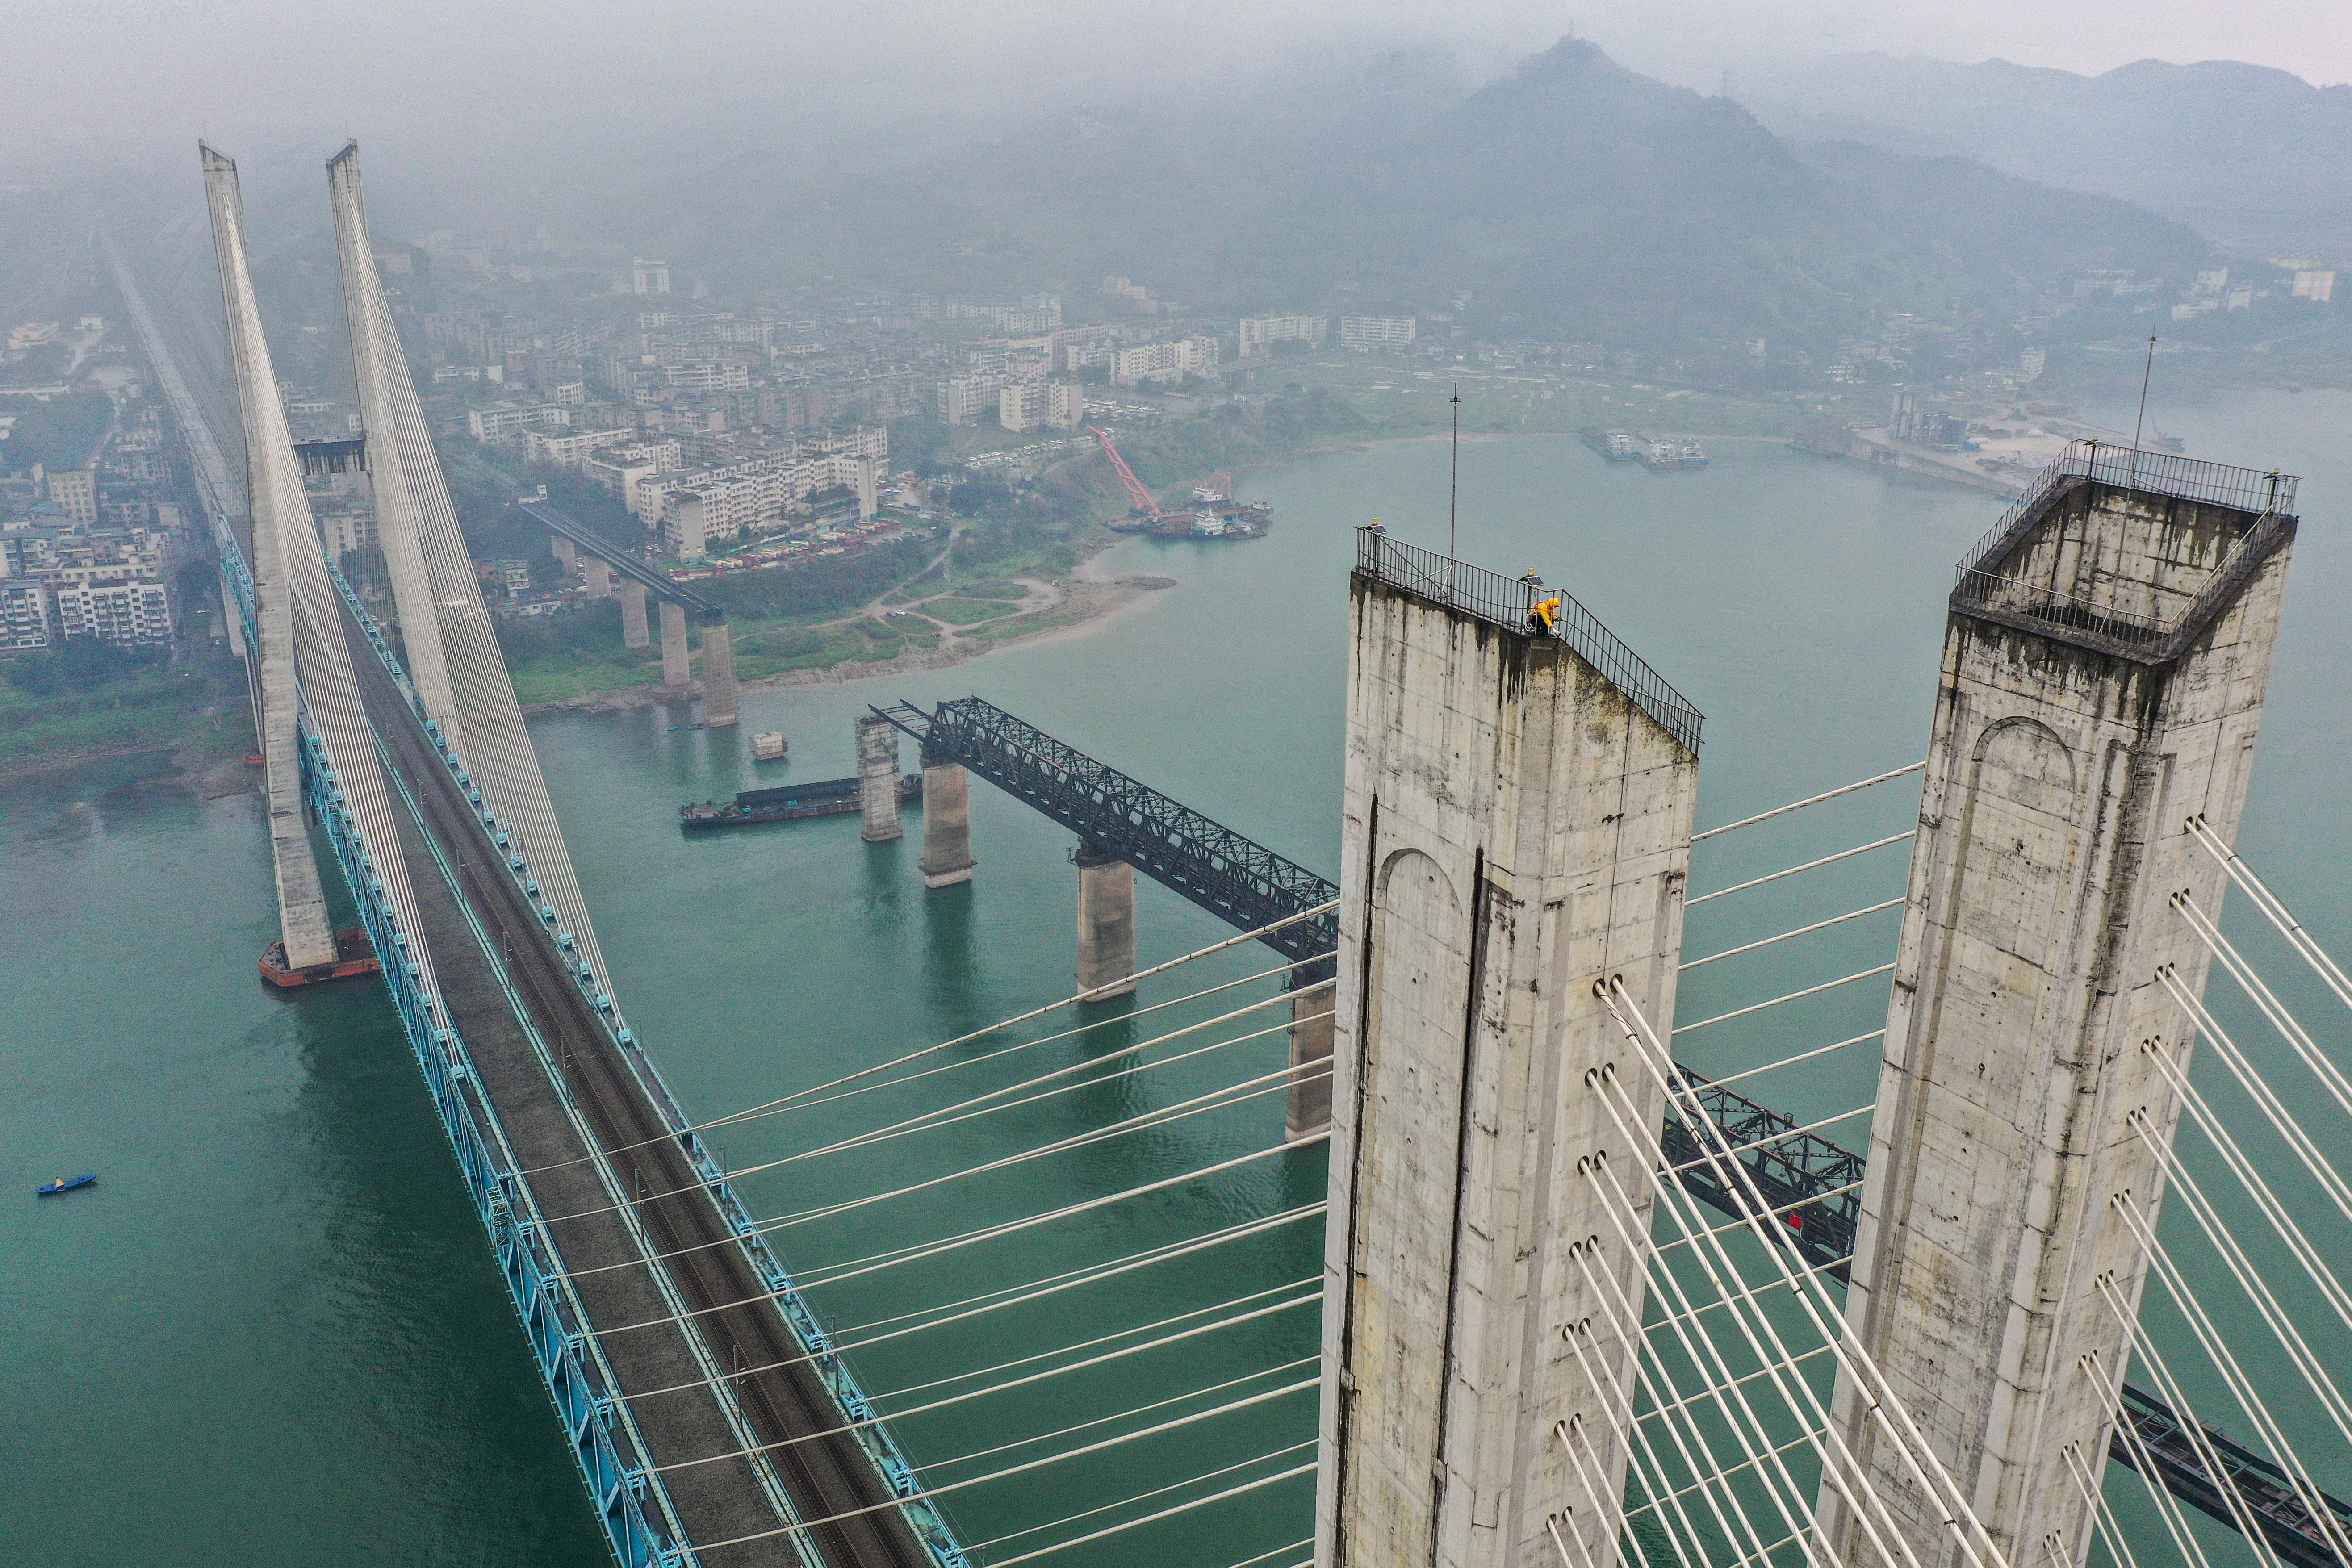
1537,1345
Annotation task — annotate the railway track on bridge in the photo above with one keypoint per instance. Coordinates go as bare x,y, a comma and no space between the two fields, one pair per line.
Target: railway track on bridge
734,1315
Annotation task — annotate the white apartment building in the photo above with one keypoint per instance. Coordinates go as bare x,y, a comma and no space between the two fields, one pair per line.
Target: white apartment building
704,378
1259,334
964,398
649,276
120,611
1170,360
504,421
1028,405
25,617
1375,331
718,506
569,450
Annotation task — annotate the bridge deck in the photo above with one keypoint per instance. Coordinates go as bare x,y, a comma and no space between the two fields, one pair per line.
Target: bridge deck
720,1501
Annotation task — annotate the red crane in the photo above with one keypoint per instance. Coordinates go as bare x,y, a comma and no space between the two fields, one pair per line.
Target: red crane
1135,491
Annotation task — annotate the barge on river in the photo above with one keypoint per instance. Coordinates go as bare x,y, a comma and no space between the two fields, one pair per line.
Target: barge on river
786,803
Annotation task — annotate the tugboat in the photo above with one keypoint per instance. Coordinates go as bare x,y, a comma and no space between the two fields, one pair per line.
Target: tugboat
64,1185
1615,444
354,955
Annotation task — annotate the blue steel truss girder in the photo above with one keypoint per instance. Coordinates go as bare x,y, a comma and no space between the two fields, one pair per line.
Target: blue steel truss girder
927,1521
1232,877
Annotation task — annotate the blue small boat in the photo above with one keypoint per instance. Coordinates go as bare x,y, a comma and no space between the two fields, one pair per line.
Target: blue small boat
64,1185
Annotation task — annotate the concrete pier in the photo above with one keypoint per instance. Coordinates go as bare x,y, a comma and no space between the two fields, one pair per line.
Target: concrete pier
878,778
633,616
947,823
596,579
567,554
1106,924
2103,678
718,675
1517,830
1309,1109
677,673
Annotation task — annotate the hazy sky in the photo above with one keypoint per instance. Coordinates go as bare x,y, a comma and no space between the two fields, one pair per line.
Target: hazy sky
87,72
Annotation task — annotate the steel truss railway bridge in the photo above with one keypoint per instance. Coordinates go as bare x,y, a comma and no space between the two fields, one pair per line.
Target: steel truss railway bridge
708,1407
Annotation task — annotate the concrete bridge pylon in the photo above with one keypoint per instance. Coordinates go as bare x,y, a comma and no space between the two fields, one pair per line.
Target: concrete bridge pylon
302,901
1517,831
2105,662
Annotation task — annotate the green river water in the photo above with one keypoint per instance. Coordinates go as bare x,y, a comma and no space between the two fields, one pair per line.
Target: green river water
272,1332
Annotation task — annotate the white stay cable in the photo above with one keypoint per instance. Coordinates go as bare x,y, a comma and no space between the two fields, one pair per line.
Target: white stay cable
1878,1034
1275,1454
2250,1279
1568,1434
1903,837
2339,1088
1810,800
1680,1030
1009,1296
1911,1444
1070,1001
2329,971
791,1104
2266,1099
2117,1544
1262,1482
1801,930
994,1388
978,1106
2143,1465
2233,1374
928,1493
798,1101
1218,1100
2314,1264
1726,1387
2223,1479
1839,1468
1703,1352
1668,1402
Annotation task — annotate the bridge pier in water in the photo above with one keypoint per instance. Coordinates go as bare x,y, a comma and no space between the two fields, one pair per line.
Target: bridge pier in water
2105,662
719,697
678,675
1470,1232
1106,924
877,779
1309,1109
947,821
634,631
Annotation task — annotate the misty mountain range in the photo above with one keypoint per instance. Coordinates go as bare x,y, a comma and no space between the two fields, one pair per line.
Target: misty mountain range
1573,198
2257,159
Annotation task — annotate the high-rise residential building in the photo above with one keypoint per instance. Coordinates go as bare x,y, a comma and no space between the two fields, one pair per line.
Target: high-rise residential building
1375,331
647,276
2316,283
76,489
1028,404
1169,360
964,398
1259,334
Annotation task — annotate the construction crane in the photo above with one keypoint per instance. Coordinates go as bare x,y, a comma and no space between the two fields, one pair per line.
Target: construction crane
1219,488
1135,493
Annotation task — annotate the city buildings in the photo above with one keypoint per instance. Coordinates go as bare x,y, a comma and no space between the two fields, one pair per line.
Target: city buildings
1258,334
649,276
1362,332
1171,358
1028,404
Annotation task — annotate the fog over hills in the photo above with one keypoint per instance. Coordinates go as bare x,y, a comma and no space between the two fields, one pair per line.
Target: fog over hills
1572,197
2259,160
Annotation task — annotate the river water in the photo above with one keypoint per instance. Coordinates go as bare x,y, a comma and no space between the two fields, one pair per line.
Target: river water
272,1332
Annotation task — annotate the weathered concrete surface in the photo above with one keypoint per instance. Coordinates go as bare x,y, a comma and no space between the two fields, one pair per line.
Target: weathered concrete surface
597,580
634,631
947,823
676,674
2059,780
1106,925
1309,1109
1516,829
567,554
719,696
878,778
278,513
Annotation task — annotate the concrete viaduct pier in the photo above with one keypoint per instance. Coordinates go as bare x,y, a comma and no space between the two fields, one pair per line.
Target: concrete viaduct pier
2104,660
598,560
947,821
1518,828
